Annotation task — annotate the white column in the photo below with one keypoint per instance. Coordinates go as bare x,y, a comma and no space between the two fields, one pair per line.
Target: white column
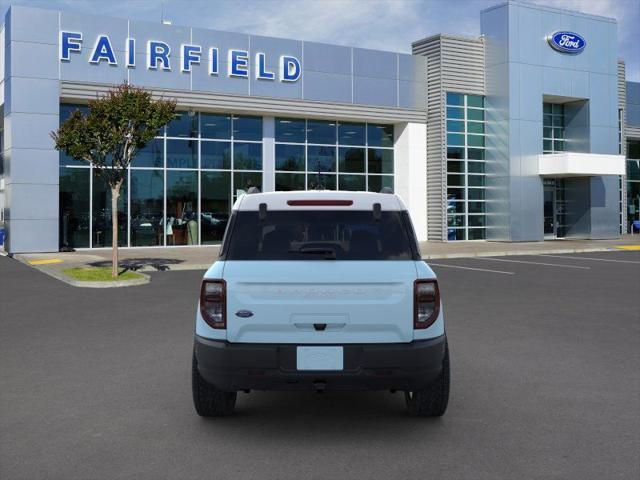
268,154
410,167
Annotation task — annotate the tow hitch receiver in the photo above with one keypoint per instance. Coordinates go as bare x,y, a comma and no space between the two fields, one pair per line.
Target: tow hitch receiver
319,386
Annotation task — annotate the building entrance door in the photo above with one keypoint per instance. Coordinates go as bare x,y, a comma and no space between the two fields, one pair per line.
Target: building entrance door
555,208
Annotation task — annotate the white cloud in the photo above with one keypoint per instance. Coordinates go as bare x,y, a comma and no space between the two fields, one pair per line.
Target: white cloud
363,23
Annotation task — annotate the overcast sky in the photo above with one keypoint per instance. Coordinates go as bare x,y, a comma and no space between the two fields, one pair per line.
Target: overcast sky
379,24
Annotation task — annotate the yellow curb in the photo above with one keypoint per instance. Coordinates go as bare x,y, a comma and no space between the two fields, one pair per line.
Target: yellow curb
628,247
47,261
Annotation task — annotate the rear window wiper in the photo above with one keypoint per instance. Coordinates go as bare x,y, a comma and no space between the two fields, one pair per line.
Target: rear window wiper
329,253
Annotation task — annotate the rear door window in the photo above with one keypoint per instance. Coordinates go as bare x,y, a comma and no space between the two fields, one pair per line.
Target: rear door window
319,235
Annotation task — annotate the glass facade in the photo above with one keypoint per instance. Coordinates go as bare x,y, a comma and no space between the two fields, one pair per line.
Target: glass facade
333,155
74,207
179,189
465,122
147,207
181,186
101,228
552,128
633,184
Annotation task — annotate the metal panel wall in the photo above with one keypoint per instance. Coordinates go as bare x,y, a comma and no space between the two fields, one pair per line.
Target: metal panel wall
78,91
622,111
462,64
521,69
632,131
622,87
436,169
329,73
622,102
454,64
2,53
30,114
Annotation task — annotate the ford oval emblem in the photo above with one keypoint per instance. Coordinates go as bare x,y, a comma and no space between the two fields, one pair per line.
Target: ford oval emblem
567,42
244,313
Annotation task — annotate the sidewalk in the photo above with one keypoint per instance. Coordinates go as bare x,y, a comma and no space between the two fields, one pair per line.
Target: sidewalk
200,258
432,250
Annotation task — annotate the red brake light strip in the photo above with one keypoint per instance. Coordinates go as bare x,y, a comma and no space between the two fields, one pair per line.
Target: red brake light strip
319,203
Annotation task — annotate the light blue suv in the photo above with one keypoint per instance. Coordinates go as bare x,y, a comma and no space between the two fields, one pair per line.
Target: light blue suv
320,290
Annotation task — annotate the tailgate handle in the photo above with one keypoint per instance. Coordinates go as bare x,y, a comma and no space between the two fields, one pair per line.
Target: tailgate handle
320,326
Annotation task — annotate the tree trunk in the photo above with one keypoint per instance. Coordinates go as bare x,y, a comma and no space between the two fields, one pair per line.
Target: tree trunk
115,193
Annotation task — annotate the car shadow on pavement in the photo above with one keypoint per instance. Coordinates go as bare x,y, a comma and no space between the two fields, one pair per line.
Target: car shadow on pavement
346,415
159,264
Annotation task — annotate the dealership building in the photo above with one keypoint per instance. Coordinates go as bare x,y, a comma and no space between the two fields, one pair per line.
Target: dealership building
525,133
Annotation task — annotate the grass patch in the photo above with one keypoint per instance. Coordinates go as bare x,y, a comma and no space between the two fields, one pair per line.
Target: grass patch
99,274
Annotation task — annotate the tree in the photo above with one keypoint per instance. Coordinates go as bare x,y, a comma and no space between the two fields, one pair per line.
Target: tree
117,126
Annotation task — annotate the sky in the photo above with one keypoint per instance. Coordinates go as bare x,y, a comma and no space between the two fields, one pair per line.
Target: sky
378,24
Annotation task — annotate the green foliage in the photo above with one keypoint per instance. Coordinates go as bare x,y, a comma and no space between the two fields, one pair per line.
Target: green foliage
98,274
117,126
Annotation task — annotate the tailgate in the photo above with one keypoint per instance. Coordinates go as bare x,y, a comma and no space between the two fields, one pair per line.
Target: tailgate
319,302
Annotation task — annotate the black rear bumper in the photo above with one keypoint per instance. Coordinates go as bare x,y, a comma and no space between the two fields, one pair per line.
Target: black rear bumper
392,366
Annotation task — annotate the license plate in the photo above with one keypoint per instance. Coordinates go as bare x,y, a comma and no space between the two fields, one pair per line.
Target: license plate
320,358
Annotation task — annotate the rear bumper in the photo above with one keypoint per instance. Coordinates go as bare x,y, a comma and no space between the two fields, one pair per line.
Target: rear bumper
395,366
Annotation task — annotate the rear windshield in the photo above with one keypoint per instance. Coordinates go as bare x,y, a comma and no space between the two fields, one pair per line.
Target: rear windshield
320,235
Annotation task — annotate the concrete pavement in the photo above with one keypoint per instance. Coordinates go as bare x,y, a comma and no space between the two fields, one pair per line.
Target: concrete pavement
200,258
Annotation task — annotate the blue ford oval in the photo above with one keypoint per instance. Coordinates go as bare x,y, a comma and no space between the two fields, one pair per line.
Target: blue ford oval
567,42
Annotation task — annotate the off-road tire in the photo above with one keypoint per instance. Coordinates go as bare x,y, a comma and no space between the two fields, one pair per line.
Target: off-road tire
207,399
433,400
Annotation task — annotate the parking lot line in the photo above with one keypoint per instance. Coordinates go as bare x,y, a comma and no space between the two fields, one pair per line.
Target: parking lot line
470,268
531,263
591,258
46,261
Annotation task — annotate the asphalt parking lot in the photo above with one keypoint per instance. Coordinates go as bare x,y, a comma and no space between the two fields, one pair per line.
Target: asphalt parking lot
545,355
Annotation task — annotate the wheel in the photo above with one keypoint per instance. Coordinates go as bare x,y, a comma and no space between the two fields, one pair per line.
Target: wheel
433,400
207,399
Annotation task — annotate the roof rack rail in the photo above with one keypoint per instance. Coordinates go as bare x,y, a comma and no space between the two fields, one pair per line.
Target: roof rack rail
386,190
253,190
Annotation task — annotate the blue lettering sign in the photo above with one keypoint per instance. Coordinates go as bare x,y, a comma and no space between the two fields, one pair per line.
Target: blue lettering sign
567,42
213,61
103,51
261,68
159,57
131,52
158,52
290,70
238,63
69,42
190,55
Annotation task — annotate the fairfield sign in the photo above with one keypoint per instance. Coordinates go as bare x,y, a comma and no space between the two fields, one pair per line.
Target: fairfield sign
159,56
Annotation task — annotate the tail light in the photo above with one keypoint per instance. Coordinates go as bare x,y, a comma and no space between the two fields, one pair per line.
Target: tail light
426,303
213,303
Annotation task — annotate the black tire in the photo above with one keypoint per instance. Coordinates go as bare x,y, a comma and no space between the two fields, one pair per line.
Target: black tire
433,400
207,399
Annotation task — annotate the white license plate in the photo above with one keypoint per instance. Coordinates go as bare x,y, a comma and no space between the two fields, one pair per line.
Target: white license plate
320,358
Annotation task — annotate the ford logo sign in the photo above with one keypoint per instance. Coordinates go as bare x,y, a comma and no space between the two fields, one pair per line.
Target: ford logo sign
567,42
244,313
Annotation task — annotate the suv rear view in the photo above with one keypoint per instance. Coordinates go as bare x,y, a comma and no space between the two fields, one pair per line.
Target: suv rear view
320,291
